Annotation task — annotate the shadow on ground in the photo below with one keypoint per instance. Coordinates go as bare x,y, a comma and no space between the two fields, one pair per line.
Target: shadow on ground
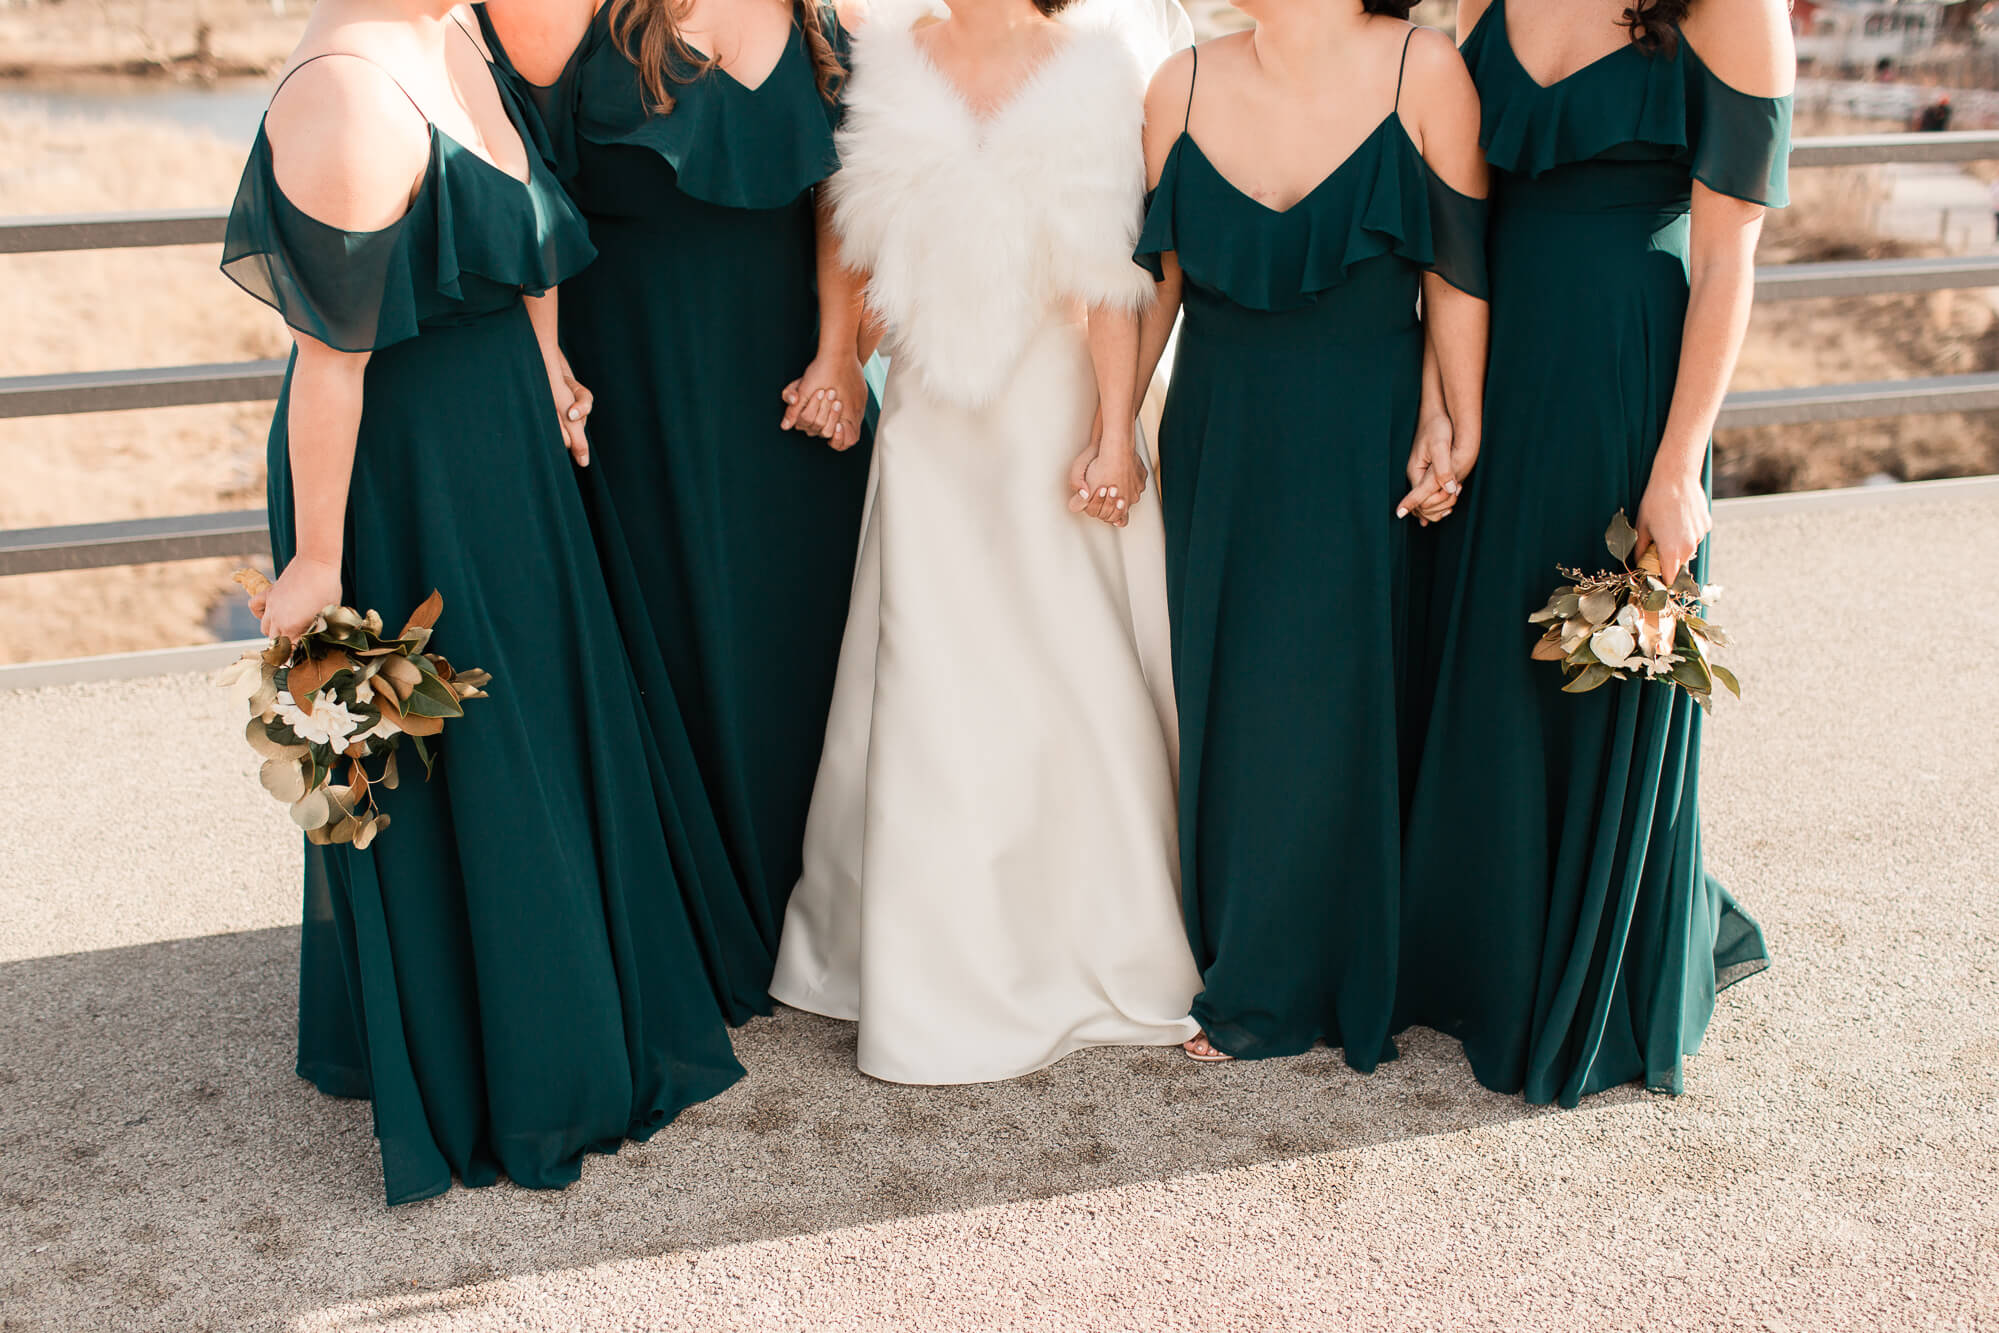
165,1169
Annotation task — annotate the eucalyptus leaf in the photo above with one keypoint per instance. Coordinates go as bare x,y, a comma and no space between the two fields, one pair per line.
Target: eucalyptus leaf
1622,538
311,810
1599,606
284,779
1727,678
258,733
1591,677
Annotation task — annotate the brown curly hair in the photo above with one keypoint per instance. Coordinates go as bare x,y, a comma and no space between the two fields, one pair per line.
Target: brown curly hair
1654,24
648,34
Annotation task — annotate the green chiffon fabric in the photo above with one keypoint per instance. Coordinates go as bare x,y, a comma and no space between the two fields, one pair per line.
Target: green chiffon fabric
514,971
1557,914
1299,367
730,542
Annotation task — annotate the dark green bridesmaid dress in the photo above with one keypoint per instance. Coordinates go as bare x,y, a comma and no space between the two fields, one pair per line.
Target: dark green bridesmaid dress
510,972
730,542
1282,452
1557,917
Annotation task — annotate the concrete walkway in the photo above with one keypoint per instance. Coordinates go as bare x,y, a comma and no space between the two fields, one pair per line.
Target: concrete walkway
1834,1166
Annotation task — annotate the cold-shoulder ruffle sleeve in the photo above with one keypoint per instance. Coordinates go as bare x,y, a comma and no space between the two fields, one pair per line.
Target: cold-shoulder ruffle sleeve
1743,146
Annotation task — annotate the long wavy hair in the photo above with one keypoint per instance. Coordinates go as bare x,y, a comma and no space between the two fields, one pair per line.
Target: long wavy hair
648,34
1654,24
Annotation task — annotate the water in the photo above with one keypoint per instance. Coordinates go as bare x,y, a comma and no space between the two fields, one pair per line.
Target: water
228,111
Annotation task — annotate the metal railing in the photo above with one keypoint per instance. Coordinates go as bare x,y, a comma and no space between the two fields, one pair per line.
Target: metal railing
97,545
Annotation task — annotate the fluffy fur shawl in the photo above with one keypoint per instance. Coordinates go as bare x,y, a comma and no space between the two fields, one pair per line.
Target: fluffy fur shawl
973,229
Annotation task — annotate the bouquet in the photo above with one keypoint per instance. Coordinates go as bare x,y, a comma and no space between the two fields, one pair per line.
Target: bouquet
1629,624
345,691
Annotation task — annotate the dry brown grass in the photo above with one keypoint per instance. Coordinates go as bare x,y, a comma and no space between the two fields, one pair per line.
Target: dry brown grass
44,40
107,310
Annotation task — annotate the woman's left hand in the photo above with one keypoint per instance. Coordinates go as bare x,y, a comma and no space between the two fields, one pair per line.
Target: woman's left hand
1107,479
828,400
1675,518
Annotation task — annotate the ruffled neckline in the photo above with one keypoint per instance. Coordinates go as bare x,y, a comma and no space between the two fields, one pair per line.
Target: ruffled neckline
1531,128
729,144
465,219
1382,199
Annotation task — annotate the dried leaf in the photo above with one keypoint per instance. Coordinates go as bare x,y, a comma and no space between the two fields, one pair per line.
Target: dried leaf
389,776
365,834
1622,537
402,673
1549,647
286,779
1599,606
251,581
311,810
1727,678
308,676
419,724
425,616
258,733
1591,677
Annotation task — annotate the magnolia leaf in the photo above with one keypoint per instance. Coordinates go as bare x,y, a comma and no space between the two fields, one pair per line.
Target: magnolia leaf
389,776
425,616
279,653
312,810
313,673
285,779
1591,677
433,698
1727,678
372,622
420,724
402,673
423,753
414,640
1597,606
1622,537
1548,648
1693,674
258,733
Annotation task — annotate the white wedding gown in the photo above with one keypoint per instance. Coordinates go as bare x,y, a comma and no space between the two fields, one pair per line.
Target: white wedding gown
991,877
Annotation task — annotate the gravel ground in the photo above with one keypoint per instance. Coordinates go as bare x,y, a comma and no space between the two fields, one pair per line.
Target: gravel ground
1832,1166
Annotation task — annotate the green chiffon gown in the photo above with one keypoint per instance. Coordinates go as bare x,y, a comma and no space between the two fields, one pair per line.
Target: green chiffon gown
1282,452
511,972
730,543
1557,916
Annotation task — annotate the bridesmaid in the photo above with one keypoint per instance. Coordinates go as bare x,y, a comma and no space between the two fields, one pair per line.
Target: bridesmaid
694,138
509,972
1634,151
1313,176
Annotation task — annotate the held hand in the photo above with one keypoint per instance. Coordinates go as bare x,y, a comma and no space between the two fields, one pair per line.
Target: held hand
572,409
1429,467
1675,518
828,400
1111,481
306,588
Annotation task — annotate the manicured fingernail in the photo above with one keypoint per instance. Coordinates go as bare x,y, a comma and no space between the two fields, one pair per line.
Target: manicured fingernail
1401,513
1120,504
574,415
1451,487
1102,491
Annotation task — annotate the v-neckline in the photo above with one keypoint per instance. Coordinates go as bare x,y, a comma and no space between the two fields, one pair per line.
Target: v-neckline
1513,53
1324,181
986,121
790,40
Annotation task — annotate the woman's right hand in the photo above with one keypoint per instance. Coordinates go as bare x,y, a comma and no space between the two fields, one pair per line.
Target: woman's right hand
572,409
306,588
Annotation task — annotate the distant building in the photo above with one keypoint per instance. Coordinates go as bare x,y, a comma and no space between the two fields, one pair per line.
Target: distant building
1865,35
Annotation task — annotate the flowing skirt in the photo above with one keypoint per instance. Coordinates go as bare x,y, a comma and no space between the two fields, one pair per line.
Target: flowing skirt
991,880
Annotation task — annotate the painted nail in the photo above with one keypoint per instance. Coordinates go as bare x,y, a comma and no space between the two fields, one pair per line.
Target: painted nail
1451,487
1401,513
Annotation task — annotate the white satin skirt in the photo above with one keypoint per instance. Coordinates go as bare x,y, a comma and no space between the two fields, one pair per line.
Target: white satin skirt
991,864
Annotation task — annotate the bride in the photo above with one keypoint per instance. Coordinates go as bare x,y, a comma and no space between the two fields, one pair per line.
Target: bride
990,864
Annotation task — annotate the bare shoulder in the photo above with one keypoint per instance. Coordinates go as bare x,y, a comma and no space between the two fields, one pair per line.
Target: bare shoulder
1172,84
1433,59
853,14
1746,43
347,145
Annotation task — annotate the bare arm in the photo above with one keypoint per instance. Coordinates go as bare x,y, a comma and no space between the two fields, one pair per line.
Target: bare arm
572,401
1752,51
830,398
1457,325
347,150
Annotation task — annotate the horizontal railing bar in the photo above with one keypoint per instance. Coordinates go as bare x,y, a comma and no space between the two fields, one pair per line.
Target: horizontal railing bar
124,390
1857,402
1867,277
1854,150
111,231
141,541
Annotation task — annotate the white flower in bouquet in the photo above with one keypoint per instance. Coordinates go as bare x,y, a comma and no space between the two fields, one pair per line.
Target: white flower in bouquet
329,723
1613,645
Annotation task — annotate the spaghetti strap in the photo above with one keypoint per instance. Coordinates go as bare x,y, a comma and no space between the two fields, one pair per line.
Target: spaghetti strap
1403,69
1192,77
323,55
